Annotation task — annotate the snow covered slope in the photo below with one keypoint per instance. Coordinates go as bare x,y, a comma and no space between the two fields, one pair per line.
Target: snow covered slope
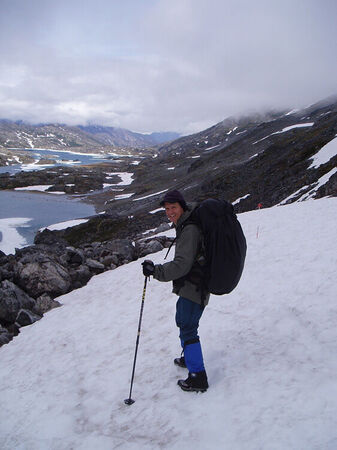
269,347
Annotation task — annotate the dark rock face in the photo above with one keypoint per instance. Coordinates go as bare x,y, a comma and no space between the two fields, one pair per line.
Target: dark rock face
47,237
12,300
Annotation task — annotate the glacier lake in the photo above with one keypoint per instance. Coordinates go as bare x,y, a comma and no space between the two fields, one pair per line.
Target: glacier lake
23,213
37,210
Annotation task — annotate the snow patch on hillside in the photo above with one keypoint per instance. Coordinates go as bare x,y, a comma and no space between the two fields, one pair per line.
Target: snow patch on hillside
284,130
41,188
310,194
64,225
239,199
324,154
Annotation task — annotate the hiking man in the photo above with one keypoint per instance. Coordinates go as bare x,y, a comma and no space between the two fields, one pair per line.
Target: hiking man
185,267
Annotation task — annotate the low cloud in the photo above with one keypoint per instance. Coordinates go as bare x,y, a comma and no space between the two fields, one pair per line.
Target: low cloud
177,65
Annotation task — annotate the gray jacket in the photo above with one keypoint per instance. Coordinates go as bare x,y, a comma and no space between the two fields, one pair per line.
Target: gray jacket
187,250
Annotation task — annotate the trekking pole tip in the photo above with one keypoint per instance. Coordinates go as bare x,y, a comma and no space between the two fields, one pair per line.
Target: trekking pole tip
129,401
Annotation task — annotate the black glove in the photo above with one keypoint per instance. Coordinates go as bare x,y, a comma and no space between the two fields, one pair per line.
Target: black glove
148,267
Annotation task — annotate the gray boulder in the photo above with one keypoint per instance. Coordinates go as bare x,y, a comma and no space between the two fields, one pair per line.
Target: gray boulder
7,266
80,276
44,303
43,275
74,257
5,336
150,247
26,317
123,247
12,299
110,261
95,266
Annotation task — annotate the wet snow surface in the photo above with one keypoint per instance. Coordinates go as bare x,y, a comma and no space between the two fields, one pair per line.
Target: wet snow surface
269,348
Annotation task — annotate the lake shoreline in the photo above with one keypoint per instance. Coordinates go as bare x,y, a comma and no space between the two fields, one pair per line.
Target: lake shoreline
23,214
23,159
88,184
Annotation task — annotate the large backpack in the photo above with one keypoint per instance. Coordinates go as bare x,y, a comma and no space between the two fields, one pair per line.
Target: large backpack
224,245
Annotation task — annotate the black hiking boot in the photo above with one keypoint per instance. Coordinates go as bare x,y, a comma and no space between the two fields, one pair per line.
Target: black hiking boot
180,362
196,382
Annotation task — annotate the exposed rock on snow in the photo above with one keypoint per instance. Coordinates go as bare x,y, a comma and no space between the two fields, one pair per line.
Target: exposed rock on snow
35,275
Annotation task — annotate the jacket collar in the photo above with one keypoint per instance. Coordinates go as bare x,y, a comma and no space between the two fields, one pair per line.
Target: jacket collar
190,208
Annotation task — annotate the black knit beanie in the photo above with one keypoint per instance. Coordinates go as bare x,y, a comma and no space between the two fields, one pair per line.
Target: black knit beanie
174,197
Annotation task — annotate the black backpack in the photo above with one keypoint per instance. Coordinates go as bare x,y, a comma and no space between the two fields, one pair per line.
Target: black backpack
224,245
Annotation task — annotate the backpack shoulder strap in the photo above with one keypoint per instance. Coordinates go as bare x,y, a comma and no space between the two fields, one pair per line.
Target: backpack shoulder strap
171,245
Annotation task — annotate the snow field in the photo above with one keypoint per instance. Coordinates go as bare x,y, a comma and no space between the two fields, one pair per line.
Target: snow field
269,349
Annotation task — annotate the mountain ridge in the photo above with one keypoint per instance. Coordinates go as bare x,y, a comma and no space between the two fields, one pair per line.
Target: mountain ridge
55,136
249,162
255,159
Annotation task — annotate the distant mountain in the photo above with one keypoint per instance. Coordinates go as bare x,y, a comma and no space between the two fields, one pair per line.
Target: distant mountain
80,138
162,137
119,137
51,136
271,159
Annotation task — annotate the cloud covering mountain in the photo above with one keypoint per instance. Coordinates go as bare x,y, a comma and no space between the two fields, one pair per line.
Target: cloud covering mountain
156,66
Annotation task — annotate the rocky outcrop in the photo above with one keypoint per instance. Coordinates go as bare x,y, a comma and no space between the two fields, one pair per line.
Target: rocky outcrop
41,274
12,300
33,278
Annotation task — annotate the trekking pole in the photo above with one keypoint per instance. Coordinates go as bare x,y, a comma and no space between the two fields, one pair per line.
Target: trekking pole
129,401
259,206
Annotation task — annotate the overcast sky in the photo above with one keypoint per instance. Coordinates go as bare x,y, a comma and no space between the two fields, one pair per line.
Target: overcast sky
165,65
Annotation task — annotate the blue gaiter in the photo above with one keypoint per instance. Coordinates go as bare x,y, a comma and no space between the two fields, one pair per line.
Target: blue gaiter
193,357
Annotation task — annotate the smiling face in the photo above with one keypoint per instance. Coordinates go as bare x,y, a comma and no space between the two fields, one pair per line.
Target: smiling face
173,211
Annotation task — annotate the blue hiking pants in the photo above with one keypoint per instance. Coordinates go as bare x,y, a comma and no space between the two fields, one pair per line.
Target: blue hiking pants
188,314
